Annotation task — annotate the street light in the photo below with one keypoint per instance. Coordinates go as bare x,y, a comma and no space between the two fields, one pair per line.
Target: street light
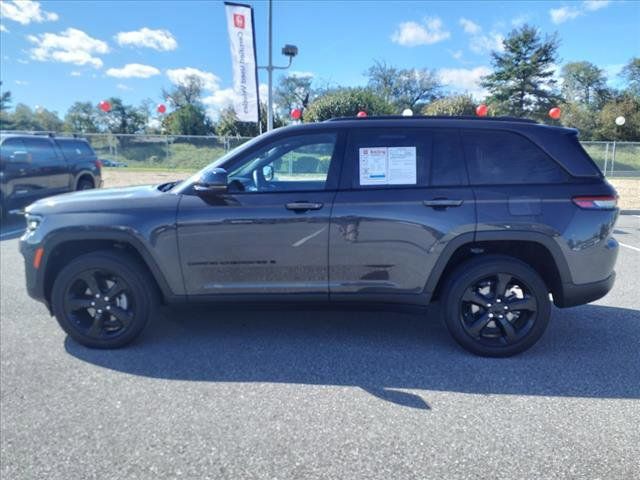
288,51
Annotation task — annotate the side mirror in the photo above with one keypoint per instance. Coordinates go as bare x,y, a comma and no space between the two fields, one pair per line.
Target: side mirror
20,157
267,172
212,181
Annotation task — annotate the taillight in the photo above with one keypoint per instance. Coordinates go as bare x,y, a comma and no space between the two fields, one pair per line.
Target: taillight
605,202
98,164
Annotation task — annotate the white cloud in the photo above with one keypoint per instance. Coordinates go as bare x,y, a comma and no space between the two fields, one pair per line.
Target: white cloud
161,40
299,74
76,73
470,27
3,29
70,46
593,5
25,12
223,98
22,82
179,75
464,79
133,70
562,14
412,34
520,19
487,43
122,86
457,54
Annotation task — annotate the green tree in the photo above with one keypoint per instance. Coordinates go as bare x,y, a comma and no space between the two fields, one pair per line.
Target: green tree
228,124
23,118
403,88
188,120
626,105
584,82
121,118
454,105
187,92
347,102
631,74
47,120
6,122
81,118
293,91
522,82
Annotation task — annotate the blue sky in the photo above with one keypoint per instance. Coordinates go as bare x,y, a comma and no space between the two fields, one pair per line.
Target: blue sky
56,52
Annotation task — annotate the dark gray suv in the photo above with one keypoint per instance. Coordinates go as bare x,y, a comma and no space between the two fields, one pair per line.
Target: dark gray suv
493,218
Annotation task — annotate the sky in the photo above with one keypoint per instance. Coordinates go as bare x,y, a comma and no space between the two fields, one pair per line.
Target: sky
54,53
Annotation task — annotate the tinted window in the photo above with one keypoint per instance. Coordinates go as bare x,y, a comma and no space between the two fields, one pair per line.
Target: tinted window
9,148
447,161
390,157
75,148
504,157
41,150
295,163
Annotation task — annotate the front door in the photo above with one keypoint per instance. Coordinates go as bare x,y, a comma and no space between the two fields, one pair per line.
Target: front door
268,234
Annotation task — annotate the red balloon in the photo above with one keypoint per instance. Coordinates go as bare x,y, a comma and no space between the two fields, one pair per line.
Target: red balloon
482,110
161,108
296,113
104,106
555,113
362,114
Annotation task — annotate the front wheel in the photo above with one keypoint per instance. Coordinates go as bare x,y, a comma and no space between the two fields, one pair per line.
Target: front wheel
103,299
496,306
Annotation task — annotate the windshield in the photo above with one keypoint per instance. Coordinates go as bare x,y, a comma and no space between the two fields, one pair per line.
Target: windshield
180,187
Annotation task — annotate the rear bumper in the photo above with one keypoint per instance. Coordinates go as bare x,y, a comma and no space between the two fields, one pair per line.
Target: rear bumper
584,293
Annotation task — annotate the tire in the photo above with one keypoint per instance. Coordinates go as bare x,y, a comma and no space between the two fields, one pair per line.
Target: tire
85,184
495,306
108,322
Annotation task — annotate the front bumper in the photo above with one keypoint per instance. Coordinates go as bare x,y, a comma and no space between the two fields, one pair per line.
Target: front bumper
585,293
34,280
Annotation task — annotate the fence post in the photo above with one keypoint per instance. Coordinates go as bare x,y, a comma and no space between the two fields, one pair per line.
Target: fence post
606,158
166,143
613,157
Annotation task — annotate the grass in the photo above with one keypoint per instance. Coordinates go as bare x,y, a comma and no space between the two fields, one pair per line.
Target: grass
627,156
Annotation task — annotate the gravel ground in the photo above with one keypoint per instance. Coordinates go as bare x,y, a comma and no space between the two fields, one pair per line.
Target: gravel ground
292,394
628,188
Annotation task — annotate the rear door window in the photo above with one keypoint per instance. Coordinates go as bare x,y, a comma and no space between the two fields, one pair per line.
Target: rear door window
499,157
75,149
447,159
42,151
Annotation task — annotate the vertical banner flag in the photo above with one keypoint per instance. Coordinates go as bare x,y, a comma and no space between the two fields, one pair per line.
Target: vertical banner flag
243,60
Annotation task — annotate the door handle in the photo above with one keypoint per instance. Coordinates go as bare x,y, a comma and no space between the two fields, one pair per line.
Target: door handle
303,206
442,203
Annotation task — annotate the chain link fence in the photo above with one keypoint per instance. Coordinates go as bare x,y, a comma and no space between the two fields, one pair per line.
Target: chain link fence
615,159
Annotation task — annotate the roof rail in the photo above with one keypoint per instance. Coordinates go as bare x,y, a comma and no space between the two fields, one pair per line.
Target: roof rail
434,117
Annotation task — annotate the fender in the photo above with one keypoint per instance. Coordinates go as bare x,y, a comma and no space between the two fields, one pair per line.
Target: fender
57,238
498,235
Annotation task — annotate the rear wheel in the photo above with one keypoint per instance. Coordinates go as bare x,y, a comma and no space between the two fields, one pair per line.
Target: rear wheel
496,306
85,184
103,299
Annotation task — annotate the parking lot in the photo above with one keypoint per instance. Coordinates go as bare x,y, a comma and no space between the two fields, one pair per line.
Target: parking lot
322,393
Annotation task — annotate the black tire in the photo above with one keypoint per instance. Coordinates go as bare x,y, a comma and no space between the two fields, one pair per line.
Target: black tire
108,322
85,184
495,306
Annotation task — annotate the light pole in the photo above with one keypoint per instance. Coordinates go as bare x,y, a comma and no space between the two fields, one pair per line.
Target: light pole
289,51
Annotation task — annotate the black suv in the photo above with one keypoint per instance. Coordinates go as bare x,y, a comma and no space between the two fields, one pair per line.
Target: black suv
37,166
490,217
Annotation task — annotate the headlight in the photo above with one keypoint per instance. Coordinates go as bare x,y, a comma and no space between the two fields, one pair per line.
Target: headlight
32,222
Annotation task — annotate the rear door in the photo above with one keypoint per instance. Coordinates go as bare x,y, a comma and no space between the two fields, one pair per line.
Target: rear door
403,196
17,172
50,170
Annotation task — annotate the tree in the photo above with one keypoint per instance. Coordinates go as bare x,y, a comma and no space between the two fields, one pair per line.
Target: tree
228,124
631,74
187,120
347,102
522,82
187,92
403,88
47,120
454,105
23,118
5,100
121,118
583,82
626,105
81,118
5,103
293,92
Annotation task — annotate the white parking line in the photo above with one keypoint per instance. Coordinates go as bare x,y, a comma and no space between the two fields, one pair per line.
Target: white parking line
8,234
629,246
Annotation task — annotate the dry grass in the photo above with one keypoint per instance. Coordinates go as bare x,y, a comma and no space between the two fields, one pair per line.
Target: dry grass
628,188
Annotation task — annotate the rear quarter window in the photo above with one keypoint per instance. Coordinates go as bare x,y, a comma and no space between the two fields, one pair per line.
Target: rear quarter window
499,157
75,149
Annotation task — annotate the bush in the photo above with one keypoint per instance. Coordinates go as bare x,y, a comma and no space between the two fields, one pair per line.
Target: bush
455,105
347,102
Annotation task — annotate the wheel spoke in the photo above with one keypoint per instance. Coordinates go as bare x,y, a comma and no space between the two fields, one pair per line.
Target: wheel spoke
477,325
116,289
79,304
125,317
92,283
501,284
507,329
96,326
526,303
474,297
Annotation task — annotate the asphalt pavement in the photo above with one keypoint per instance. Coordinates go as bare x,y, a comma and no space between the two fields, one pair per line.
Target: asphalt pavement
322,393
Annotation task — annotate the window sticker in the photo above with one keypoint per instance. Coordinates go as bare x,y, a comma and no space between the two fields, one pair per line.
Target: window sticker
388,166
